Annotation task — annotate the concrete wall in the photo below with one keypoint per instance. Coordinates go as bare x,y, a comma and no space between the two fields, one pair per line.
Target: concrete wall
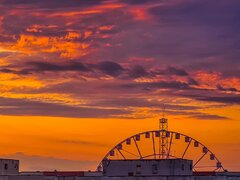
148,167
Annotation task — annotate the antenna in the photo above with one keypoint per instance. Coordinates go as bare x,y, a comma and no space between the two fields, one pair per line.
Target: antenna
163,122
163,140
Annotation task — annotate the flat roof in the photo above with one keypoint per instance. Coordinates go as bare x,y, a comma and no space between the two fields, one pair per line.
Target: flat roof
1,159
176,159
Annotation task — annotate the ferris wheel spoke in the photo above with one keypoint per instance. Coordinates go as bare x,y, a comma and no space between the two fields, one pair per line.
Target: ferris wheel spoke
200,159
154,149
121,153
139,152
186,148
170,145
160,144
129,152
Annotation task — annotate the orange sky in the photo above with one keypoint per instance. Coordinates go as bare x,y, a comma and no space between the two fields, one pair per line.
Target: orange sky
86,141
77,77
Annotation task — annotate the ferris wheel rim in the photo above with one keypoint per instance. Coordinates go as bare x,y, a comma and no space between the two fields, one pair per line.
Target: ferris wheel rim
154,131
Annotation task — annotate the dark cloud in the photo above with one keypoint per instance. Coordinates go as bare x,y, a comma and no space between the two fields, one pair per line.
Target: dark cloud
102,68
38,67
192,81
201,116
224,99
137,102
176,71
219,87
155,106
105,67
159,85
45,66
6,70
137,71
22,107
170,71
135,2
194,113
110,68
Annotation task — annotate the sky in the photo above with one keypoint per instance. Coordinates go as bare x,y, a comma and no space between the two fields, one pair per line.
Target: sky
78,76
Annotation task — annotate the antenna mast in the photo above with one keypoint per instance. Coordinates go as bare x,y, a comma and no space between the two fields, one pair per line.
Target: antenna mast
163,140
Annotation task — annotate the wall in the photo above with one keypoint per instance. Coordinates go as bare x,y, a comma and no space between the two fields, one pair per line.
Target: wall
148,167
33,177
9,166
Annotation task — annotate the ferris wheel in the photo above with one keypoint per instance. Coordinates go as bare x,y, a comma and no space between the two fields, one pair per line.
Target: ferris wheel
165,144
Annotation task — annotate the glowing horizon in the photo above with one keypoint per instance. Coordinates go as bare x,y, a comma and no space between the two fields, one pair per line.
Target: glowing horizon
77,77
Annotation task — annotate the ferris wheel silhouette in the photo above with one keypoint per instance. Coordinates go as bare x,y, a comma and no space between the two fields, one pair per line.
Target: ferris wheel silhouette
164,144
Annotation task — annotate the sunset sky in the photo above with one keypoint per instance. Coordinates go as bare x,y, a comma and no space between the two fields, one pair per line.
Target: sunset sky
78,76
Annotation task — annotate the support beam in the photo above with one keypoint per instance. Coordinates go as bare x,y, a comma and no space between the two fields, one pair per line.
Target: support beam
200,159
160,145
170,145
186,148
121,154
129,152
139,152
154,149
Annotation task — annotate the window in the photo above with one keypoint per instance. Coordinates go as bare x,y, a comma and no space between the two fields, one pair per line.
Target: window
6,166
154,169
130,173
191,167
182,167
138,169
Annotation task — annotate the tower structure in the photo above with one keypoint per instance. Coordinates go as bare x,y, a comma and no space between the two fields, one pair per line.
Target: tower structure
164,136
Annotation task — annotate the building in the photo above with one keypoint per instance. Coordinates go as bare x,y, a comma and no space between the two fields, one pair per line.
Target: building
9,167
147,167
171,169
